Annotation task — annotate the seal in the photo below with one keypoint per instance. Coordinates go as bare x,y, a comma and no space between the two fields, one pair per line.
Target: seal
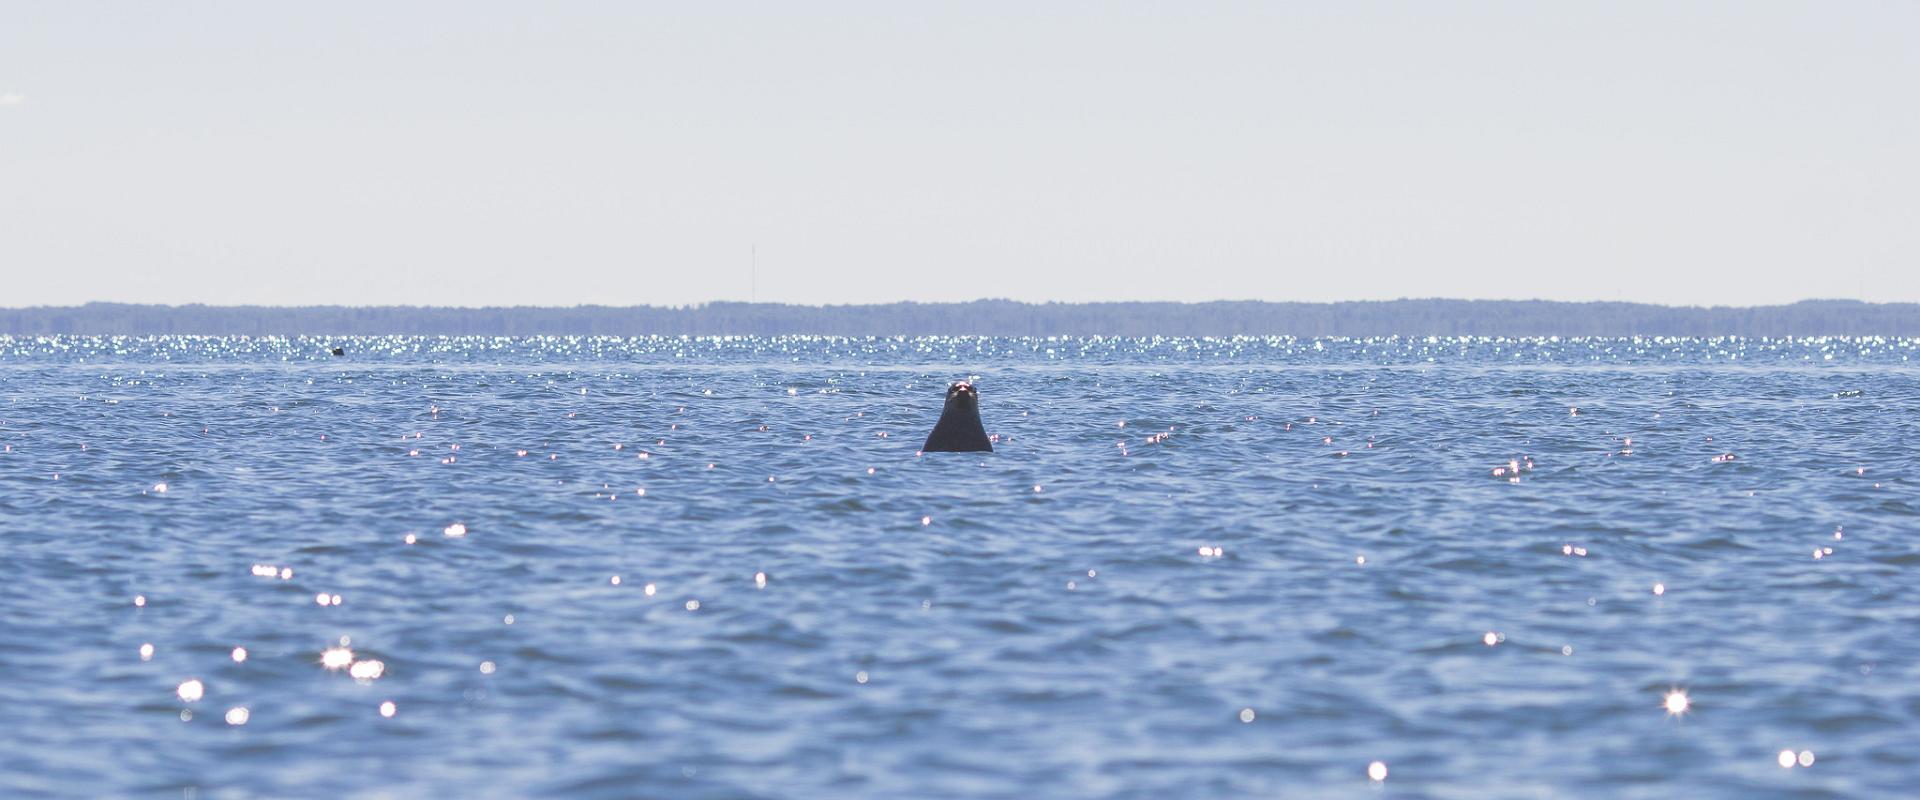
959,429
339,351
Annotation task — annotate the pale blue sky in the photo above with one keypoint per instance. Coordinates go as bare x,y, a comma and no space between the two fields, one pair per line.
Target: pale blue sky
471,153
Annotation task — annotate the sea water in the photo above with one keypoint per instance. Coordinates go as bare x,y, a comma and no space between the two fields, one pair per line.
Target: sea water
479,567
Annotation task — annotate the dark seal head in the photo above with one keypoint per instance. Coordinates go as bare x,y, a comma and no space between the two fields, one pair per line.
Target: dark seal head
959,429
339,351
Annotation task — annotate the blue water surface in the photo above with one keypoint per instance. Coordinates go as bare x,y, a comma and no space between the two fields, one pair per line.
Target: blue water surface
691,568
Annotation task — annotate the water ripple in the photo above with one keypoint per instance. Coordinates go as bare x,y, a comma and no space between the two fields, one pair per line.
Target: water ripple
1193,567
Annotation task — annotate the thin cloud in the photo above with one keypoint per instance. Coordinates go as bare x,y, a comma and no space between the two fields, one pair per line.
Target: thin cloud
11,99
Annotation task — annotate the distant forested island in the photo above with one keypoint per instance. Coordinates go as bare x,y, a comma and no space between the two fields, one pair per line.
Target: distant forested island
992,317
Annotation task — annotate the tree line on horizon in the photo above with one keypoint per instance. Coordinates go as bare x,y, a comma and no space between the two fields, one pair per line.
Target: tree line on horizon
991,318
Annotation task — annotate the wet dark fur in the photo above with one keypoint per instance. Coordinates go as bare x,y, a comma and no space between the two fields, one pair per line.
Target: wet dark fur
959,429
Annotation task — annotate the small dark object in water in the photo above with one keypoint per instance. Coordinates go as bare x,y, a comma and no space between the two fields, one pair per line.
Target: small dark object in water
959,429
339,351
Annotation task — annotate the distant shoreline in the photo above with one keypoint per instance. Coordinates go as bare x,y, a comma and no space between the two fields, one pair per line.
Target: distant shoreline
1432,317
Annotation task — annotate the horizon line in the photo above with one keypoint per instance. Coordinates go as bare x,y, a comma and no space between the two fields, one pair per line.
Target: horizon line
975,301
